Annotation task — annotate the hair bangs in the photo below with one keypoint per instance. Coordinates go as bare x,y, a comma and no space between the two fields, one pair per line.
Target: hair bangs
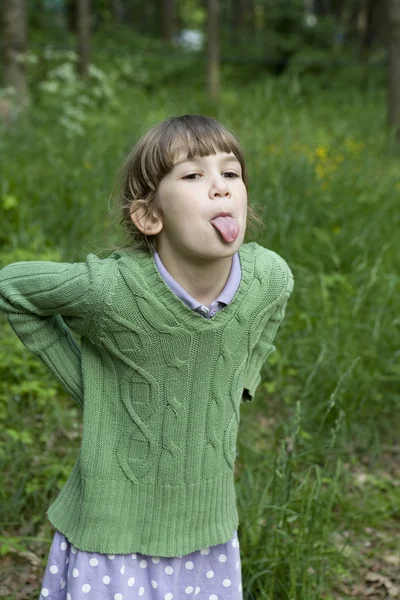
190,136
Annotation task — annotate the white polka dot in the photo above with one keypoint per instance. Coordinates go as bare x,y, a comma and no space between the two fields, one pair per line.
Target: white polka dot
63,545
69,597
53,569
154,583
213,597
106,579
227,583
122,570
45,592
240,587
234,543
205,551
111,556
222,558
118,597
86,588
73,550
93,562
210,574
133,555
155,560
67,560
131,581
141,591
75,573
62,584
168,596
189,565
189,590
169,570
143,564
196,591
237,564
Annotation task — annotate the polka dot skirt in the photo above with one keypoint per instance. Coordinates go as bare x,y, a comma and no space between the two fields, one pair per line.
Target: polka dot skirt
212,573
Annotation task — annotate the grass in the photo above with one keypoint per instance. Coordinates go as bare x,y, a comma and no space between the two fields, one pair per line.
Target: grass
317,466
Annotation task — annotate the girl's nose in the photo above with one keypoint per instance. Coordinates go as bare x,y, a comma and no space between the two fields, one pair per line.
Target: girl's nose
219,188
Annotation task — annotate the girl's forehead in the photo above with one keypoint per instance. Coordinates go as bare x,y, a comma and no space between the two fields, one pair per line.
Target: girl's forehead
188,157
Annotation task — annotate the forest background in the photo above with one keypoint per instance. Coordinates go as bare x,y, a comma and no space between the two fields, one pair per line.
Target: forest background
311,89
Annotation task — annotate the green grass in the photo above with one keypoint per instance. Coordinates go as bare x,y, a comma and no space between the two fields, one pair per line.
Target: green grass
316,451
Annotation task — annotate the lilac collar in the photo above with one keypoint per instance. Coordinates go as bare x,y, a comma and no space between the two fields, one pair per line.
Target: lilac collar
225,296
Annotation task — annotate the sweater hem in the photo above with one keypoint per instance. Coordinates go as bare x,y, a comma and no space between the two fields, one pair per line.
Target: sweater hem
122,517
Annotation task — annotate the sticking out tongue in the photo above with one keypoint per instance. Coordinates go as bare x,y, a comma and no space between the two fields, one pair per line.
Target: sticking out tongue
227,226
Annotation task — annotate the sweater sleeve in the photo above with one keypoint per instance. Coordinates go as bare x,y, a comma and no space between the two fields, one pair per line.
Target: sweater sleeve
264,346
39,298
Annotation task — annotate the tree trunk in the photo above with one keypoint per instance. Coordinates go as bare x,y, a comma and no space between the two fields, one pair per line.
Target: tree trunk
168,20
118,11
394,68
83,27
238,12
338,10
321,8
213,49
375,25
14,48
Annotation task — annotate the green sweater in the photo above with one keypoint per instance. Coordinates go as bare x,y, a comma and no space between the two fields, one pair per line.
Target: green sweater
160,388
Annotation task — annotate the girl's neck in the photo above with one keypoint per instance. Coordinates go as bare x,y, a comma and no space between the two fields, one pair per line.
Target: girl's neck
203,280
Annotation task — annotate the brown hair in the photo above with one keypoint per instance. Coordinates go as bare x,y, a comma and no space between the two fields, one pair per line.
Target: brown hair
155,154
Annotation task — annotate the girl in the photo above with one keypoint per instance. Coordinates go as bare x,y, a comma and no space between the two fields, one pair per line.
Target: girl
174,331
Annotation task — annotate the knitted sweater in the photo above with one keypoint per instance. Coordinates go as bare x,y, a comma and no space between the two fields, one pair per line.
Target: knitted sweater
160,388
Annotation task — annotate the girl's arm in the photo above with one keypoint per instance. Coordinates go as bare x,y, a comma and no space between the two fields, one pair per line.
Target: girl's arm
264,346
37,299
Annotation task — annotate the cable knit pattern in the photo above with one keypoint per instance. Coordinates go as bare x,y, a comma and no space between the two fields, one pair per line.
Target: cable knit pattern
160,388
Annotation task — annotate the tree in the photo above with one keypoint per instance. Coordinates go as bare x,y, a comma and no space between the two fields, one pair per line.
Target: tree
394,68
118,11
84,21
213,49
14,48
168,20
374,24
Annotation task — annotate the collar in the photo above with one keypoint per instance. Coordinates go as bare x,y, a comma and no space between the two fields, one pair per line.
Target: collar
225,296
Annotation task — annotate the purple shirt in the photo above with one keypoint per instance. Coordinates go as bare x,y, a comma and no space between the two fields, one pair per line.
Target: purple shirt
223,299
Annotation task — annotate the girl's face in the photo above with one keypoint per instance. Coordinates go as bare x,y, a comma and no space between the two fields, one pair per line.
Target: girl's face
193,193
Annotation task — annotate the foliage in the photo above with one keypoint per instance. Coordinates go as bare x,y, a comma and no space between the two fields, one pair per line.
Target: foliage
327,187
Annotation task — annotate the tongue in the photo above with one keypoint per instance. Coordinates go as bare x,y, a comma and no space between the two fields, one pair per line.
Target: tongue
227,226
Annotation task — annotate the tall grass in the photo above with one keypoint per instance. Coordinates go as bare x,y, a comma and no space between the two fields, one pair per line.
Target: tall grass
324,180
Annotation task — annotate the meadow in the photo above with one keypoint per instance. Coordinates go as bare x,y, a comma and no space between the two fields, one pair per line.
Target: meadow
317,469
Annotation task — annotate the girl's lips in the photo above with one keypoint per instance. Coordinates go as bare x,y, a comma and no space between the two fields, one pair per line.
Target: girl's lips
227,226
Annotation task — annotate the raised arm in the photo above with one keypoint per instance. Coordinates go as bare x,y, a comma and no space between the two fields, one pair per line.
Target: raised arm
36,297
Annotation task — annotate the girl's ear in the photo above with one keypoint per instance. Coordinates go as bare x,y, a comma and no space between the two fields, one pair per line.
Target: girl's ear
144,218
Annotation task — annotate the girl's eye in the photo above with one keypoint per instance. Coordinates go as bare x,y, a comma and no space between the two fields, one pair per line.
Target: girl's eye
231,174
191,176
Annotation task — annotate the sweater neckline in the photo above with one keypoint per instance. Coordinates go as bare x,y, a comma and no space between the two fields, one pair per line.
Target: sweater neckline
154,284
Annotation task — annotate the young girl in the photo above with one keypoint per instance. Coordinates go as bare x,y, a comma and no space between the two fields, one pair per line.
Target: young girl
174,331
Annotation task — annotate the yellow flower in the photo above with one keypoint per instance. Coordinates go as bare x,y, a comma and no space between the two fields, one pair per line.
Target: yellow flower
321,152
354,146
